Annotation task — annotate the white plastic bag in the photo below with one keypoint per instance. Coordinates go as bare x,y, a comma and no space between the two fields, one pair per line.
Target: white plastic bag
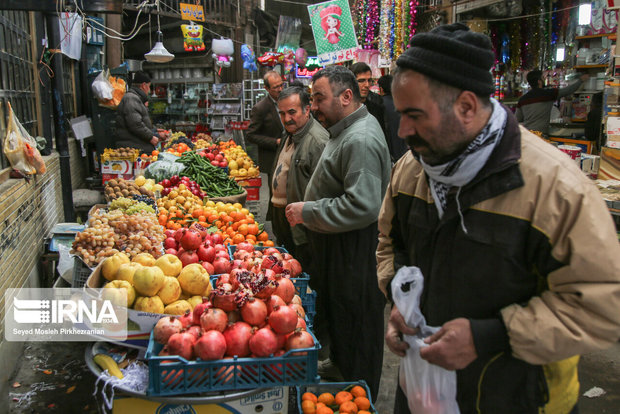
430,389
102,88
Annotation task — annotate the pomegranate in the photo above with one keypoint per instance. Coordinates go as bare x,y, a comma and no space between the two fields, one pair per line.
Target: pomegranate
208,267
298,309
187,319
170,243
223,278
272,262
217,239
281,340
237,264
285,289
272,251
179,234
299,340
181,344
221,265
222,253
219,247
283,319
245,246
286,256
189,257
172,251
199,309
169,233
263,342
206,253
210,346
191,240
224,298
200,229
237,339
166,327
273,301
293,266
254,311
213,319
195,330
164,352
301,324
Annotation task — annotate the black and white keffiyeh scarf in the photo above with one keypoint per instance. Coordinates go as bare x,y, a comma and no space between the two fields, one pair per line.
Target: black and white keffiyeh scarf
462,169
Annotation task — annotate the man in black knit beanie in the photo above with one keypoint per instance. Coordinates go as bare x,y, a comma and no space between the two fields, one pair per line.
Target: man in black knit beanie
508,234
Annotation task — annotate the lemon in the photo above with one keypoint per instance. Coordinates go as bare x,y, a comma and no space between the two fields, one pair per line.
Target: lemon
210,204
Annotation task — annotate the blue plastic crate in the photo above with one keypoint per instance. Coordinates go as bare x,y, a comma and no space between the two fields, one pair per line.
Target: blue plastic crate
333,388
309,305
174,375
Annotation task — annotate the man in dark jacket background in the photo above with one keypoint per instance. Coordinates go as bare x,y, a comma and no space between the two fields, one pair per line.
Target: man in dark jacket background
265,128
397,145
373,102
134,128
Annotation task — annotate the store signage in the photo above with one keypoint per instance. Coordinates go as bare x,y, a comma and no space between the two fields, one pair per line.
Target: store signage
192,12
334,35
467,5
313,62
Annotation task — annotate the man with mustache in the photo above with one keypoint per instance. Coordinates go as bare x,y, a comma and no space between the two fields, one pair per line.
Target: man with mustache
519,254
340,211
295,161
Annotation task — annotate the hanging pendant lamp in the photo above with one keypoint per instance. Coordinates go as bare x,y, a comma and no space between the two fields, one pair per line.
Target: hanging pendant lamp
159,54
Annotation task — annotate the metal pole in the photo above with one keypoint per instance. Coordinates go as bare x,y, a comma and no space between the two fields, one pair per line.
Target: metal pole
62,146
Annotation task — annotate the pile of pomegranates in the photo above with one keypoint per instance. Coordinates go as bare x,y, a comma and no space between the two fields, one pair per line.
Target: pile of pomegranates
196,245
263,326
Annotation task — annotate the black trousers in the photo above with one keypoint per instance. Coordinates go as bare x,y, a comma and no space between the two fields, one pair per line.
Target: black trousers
349,301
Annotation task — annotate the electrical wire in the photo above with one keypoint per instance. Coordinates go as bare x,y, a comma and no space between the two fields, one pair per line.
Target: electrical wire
521,17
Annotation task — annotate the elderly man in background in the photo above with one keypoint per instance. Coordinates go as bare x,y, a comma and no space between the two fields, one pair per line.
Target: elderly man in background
296,159
340,211
266,128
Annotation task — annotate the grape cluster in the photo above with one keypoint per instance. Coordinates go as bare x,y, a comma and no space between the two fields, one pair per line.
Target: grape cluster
139,207
132,206
145,199
114,231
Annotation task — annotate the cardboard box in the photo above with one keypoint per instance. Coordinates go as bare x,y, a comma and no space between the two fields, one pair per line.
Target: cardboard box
139,324
271,401
251,182
108,176
117,167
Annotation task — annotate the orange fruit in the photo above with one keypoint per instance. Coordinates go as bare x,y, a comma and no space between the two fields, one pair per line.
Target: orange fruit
363,412
319,405
326,398
263,236
269,243
253,229
308,407
197,213
358,391
163,219
324,410
348,407
238,238
342,397
243,229
362,403
309,396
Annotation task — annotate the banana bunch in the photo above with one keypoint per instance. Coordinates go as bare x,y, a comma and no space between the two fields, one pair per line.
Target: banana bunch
107,363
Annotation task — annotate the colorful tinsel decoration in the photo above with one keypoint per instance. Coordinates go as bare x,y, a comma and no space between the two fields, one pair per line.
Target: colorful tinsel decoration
398,28
412,19
514,29
385,29
372,23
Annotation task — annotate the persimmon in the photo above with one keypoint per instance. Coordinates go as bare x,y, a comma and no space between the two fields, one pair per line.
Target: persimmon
358,391
309,396
263,236
253,229
342,397
348,407
326,398
362,403
269,243
324,410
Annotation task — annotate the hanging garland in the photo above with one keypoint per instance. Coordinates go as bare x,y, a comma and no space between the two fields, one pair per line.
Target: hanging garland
514,29
357,13
385,29
372,23
398,29
412,18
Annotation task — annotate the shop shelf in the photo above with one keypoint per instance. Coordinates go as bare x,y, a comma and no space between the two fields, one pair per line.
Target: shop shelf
332,388
174,375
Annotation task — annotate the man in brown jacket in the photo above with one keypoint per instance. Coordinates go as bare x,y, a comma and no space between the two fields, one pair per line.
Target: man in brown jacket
266,128
519,253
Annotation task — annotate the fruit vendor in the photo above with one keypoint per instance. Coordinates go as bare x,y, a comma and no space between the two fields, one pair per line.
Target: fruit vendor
340,210
519,254
133,125
296,159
